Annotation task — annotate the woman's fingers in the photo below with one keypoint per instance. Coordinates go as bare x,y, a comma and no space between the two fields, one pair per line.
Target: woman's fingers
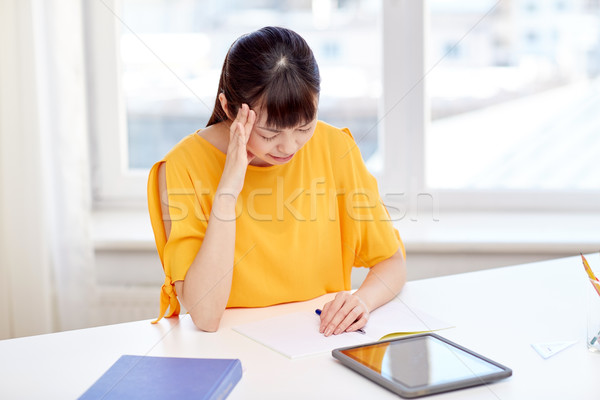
250,120
241,128
361,322
352,316
329,311
238,156
345,313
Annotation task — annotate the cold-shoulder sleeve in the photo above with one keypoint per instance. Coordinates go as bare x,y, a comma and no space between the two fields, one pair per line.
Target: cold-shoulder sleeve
188,227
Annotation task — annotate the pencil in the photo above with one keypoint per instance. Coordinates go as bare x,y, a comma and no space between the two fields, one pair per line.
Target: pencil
593,280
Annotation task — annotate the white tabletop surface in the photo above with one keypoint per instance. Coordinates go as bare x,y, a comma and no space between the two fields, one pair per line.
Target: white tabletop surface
498,313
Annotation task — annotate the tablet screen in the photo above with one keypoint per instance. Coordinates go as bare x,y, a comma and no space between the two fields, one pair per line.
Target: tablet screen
421,361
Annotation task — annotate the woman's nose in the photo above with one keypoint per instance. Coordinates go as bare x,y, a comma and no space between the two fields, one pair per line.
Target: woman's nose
287,146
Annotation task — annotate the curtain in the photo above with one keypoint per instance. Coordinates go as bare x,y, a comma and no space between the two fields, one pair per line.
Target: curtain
46,253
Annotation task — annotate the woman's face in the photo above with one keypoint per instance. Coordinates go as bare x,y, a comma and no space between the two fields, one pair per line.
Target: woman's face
277,146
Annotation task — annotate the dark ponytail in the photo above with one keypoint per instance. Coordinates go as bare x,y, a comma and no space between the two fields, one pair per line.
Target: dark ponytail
272,68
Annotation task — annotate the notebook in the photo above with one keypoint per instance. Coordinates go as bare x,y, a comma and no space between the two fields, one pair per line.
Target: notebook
297,334
144,377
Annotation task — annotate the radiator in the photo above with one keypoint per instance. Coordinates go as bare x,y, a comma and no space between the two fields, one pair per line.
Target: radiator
116,304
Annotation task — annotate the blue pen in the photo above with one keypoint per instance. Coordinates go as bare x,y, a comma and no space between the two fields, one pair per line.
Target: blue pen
318,312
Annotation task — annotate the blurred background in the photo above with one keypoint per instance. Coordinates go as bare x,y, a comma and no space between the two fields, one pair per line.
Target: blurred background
477,118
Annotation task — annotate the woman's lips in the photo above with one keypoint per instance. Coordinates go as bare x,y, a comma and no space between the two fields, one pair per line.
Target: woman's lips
282,159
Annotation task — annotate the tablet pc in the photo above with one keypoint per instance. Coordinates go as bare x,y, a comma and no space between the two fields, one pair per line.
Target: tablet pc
419,365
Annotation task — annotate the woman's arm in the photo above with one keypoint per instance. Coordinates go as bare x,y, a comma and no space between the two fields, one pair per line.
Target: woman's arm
205,290
349,312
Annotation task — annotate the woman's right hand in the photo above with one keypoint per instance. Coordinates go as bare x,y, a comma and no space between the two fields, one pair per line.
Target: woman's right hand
238,156
207,284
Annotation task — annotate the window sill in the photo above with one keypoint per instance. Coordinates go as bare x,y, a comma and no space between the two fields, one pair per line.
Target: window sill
122,229
479,232
506,232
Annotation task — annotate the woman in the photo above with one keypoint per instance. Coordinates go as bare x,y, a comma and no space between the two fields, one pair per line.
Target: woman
268,205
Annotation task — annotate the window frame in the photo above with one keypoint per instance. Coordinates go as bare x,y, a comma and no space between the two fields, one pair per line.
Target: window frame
404,118
114,184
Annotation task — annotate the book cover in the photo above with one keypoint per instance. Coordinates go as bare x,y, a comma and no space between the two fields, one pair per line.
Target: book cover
145,377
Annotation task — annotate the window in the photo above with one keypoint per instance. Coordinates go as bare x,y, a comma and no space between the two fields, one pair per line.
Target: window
448,99
170,55
519,119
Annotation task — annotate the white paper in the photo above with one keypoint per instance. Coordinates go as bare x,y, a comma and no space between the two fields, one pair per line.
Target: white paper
297,334
547,350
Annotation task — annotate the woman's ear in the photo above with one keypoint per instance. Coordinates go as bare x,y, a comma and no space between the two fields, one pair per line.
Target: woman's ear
223,101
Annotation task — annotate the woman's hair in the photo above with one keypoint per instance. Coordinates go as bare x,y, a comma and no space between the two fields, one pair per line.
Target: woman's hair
272,68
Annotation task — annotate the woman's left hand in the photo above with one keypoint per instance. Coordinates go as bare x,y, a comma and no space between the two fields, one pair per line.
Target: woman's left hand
345,313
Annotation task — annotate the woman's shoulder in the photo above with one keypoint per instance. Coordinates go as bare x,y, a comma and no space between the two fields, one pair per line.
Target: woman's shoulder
192,146
332,133
182,148
179,157
339,140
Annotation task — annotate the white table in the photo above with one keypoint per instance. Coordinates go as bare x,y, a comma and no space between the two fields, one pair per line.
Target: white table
497,313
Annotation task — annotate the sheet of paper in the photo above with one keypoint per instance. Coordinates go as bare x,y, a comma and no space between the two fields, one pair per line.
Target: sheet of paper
297,334
547,350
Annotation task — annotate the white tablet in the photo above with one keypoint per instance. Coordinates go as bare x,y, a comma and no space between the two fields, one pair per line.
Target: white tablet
419,365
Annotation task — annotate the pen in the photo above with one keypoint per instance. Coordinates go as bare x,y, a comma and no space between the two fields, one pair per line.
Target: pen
362,331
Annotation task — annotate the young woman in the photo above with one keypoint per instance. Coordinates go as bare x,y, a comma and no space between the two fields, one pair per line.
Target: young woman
268,205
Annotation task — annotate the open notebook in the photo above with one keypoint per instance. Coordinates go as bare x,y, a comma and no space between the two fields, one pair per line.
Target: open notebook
297,334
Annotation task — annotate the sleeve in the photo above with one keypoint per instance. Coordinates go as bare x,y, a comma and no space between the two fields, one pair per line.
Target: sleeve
372,233
189,221
188,226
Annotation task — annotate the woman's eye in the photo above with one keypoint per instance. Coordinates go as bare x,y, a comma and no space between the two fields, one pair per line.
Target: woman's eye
268,139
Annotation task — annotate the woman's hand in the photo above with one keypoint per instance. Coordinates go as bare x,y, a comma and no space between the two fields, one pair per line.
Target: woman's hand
345,313
349,312
238,156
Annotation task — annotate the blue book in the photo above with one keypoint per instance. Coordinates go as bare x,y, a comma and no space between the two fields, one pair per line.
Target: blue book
144,377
